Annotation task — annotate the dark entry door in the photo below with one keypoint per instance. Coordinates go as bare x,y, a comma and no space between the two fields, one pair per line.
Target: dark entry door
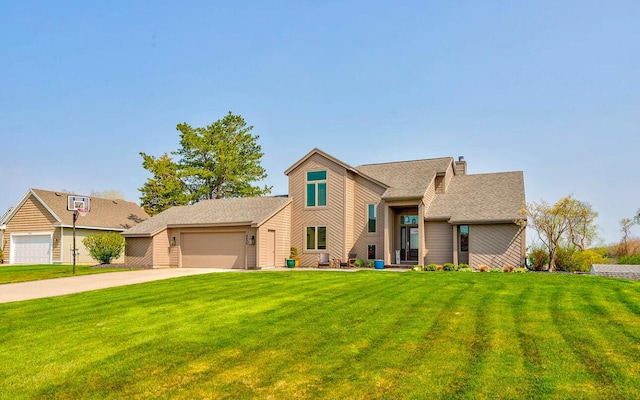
409,243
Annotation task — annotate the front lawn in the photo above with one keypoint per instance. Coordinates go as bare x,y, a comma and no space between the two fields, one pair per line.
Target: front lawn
23,273
329,335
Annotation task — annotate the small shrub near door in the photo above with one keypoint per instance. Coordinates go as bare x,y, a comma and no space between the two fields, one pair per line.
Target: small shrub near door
448,267
104,247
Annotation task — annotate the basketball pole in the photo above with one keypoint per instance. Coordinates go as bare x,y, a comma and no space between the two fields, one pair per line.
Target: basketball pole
75,218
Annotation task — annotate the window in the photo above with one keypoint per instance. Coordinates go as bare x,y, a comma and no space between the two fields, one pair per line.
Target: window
372,211
371,252
316,237
464,237
316,189
409,219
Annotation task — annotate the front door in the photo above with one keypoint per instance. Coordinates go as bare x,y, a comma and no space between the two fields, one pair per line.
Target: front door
409,243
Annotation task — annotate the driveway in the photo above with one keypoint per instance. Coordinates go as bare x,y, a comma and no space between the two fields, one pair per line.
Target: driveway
57,287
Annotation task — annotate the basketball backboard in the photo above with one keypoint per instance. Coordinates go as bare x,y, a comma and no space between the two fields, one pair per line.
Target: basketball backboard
75,202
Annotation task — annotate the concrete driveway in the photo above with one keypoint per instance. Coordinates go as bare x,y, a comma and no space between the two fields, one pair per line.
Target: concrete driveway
57,287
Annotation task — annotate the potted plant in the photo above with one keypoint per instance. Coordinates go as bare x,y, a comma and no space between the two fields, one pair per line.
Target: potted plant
295,255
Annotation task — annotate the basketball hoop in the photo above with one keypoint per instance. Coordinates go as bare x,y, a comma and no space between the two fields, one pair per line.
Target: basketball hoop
82,212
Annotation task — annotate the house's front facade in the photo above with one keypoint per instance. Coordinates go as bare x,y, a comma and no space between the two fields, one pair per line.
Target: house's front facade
39,228
411,212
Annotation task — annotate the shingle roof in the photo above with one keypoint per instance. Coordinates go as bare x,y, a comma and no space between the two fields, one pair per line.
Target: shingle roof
616,270
231,211
491,197
105,213
406,178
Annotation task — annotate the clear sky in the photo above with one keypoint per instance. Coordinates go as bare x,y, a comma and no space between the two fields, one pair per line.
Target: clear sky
548,87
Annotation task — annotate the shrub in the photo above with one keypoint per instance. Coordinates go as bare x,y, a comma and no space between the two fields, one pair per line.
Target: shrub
1,256
439,267
104,247
430,267
462,265
495,269
630,259
508,268
538,257
564,259
370,264
582,260
483,268
359,262
465,269
520,270
448,267
418,268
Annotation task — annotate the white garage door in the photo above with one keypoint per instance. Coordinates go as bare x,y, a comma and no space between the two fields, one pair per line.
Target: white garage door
213,250
31,249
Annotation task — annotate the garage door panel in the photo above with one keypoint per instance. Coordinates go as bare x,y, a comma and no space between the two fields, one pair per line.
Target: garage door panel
213,250
31,249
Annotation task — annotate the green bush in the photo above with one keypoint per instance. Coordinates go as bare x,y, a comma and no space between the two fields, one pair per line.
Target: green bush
430,267
359,263
630,259
582,260
465,269
1,256
538,257
564,259
448,267
104,247
462,265
370,264
520,270
418,268
495,269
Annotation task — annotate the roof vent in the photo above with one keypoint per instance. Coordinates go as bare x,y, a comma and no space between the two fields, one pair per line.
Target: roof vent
460,158
115,201
58,194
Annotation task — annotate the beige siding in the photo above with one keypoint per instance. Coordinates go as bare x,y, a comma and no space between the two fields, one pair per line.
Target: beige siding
367,192
429,195
350,212
281,224
174,248
139,251
439,242
31,217
161,250
83,256
449,173
332,216
496,245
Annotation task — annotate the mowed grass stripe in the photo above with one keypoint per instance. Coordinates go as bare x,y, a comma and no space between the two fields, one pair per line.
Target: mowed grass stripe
328,335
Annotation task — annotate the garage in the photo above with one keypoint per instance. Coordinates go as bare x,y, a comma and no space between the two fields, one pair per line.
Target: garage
31,249
213,250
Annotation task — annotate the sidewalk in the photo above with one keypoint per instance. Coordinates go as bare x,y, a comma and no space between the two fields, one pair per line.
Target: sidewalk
76,284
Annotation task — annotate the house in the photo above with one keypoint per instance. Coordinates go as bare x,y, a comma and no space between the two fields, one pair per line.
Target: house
241,233
408,212
39,228
616,271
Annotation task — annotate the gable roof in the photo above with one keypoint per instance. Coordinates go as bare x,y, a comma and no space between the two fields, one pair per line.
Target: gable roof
251,211
406,179
105,214
478,198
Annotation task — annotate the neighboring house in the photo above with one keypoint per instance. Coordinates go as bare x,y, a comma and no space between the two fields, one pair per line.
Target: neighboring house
409,212
616,271
38,230
242,233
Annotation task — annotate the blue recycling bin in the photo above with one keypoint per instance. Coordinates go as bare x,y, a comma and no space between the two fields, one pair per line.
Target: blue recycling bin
378,264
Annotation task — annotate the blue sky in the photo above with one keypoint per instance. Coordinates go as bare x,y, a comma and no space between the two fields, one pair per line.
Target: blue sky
547,87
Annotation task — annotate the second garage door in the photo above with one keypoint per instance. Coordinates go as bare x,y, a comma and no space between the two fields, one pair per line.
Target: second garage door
213,250
31,249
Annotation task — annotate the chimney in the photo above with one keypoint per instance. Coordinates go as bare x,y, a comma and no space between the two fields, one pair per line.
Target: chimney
460,166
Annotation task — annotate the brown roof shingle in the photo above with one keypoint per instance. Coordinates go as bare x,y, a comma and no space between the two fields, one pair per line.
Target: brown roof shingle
494,197
105,213
231,211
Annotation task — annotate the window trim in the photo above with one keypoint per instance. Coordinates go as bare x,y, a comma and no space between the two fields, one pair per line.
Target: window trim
316,185
316,235
375,218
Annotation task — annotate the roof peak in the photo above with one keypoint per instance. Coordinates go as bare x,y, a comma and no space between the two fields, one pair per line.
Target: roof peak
408,161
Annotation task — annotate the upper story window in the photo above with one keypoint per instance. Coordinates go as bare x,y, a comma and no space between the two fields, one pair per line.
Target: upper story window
316,188
372,211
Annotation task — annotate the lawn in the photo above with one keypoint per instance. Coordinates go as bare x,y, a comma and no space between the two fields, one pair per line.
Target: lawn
23,273
330,335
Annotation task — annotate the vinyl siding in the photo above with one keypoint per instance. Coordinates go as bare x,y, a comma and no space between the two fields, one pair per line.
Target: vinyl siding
332,216
174,251
449,173
31,217
429,195
161,250
83,256
496,245
351,211
439,242
139,251
367,192
281,224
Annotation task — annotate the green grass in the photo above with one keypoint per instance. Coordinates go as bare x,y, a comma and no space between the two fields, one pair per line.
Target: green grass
23,273
329,335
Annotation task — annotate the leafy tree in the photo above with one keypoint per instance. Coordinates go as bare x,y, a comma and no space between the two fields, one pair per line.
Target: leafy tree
108,194
105,246
568,222
164,189
216,161
625,227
